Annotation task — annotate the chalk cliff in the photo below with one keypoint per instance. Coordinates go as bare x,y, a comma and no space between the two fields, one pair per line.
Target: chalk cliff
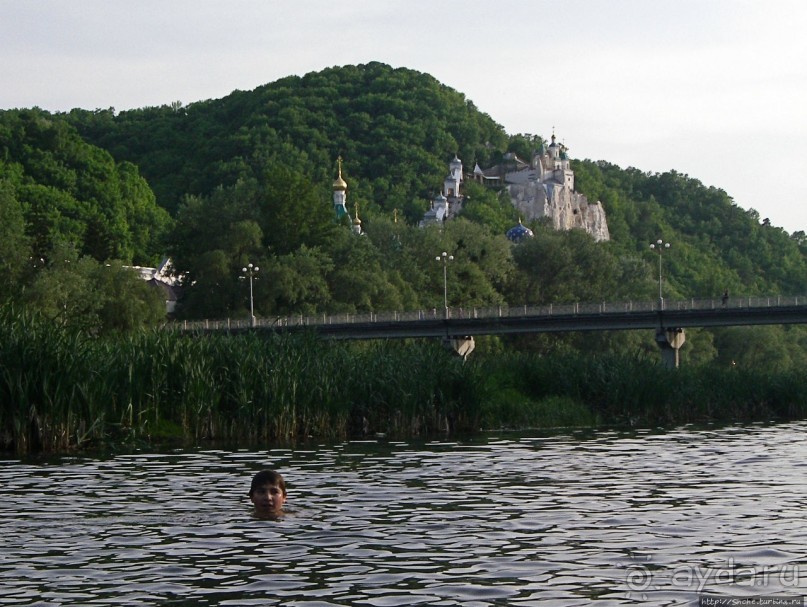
565,208
544,187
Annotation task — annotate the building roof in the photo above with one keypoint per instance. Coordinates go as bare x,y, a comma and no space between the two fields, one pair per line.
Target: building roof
519,232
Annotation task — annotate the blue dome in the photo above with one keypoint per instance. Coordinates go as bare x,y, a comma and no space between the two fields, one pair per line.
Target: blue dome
519,233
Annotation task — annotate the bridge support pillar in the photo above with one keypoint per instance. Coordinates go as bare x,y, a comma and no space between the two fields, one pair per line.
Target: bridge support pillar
670,341
462,346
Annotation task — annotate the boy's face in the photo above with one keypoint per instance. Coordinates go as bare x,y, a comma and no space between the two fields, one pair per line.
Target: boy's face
268,498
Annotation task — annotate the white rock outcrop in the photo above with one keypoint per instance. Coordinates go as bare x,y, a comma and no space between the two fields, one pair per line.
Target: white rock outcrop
565,208
542,187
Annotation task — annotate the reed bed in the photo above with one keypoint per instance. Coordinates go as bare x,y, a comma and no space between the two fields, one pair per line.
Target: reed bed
62,390
638,391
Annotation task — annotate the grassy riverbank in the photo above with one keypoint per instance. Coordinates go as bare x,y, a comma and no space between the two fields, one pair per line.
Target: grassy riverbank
61,391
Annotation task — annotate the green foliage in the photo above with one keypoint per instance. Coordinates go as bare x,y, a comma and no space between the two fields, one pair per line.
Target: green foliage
127,302
75,192
62,290
15,245
296,283
524,145
247,179
394,127
61,389
489,207
773,348
291,212
716,245
357,281
564,267
80,293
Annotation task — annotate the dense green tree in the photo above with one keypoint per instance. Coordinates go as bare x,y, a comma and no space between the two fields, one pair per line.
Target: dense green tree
772,348
397,127
699,347
357,280
291,211
221,222
566,267
482,263
524,145
296,283
62,290
76,291
148,225
489,207
247,179
127,301
14,244
214,289
255,221
402,255
72,191
717,245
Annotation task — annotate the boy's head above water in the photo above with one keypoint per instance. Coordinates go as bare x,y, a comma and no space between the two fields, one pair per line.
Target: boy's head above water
268,492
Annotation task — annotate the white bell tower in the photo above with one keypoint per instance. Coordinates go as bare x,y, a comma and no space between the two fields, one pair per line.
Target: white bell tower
451,186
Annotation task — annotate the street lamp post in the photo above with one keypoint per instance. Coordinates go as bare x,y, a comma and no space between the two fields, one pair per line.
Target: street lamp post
250,271
659,246
445,258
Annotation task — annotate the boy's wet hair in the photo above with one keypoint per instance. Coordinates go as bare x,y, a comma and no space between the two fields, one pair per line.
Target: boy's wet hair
267,477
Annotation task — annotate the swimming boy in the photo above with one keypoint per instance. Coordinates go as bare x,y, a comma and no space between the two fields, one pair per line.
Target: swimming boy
268,493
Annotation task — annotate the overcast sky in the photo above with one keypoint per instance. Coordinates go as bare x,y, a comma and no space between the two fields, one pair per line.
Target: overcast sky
715,89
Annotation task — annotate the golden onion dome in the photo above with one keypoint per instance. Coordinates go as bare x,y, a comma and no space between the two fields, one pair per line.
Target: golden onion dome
340,185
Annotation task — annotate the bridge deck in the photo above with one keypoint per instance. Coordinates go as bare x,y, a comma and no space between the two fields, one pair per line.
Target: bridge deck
531,319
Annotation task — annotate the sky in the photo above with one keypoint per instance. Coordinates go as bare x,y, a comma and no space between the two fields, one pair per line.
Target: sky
713,89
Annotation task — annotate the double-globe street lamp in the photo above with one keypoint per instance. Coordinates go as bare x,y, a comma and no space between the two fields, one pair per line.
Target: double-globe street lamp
659,246
445,258
250,271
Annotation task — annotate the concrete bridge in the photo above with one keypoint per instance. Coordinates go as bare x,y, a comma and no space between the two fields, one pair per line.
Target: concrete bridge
457,326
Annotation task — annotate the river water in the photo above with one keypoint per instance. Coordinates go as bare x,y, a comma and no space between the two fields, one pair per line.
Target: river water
602,517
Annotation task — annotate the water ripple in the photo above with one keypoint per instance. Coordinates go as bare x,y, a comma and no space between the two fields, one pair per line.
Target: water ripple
605,518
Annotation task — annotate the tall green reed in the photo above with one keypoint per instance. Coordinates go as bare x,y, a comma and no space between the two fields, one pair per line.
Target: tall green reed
61,390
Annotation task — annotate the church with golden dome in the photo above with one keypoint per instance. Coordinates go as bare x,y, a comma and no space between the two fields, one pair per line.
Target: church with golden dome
340,200
540,188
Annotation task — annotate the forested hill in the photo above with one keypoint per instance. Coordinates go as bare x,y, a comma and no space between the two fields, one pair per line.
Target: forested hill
247,178
73,191
396,129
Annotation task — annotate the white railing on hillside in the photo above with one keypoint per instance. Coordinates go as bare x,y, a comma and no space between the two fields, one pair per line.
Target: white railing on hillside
496,312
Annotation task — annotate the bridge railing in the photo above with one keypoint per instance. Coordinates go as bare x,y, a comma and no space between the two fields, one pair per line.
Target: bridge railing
432,314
